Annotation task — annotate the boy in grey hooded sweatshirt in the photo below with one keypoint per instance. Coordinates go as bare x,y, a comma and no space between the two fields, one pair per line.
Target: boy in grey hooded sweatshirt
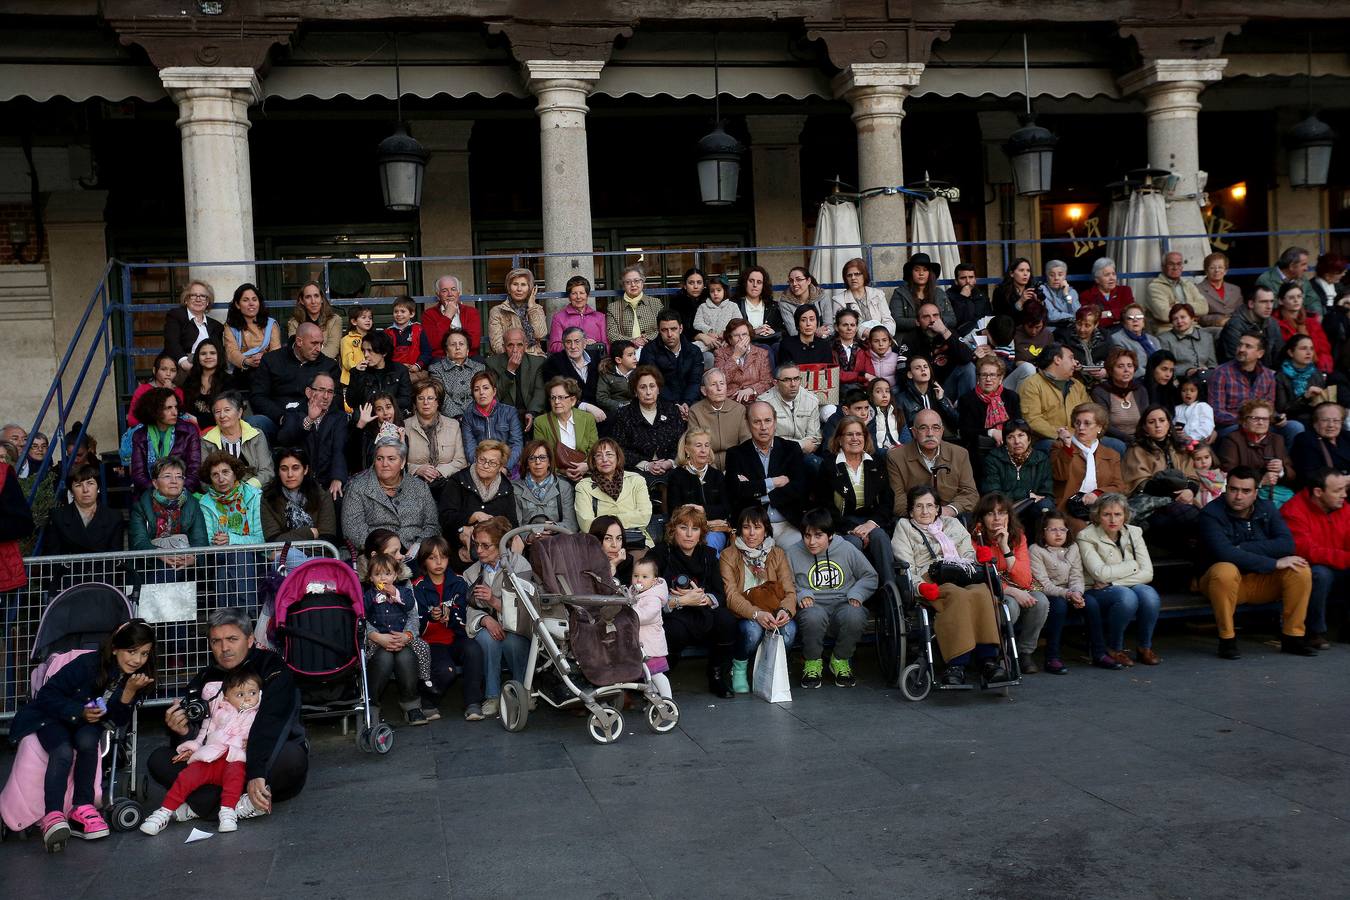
834,579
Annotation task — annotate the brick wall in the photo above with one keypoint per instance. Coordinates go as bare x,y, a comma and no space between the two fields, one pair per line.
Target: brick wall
18,212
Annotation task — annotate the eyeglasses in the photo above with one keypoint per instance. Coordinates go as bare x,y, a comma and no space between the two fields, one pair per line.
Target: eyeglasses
489,463
1258,418
199,297
796,279
1057,529
790,380
1134,318
483,545
319,390
538,457
632,281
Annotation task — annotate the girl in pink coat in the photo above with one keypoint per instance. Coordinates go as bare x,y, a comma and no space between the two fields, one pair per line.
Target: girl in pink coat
651,594
217,754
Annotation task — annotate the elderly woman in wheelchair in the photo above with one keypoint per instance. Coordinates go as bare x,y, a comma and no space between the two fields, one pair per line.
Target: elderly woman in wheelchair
943,572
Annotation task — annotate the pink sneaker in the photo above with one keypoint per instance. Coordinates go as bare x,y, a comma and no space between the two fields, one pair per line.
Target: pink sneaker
86,823
55,831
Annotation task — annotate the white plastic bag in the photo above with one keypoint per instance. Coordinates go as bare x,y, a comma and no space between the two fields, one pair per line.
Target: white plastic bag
771,671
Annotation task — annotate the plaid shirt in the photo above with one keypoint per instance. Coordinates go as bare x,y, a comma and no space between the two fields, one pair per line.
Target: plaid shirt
1229,388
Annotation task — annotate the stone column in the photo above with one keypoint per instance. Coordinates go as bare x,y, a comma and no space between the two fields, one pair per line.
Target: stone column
445,217
776,151
562,85
213,107
1171,90
877,93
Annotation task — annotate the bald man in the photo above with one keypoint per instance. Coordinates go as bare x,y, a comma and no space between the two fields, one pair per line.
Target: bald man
280,380
768,471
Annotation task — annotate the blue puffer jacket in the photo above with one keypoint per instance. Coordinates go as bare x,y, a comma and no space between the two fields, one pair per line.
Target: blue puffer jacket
503,424
454,592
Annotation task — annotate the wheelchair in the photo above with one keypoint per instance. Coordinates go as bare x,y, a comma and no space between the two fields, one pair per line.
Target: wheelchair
907,643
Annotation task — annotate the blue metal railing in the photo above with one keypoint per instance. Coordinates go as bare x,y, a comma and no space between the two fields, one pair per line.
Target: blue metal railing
122,352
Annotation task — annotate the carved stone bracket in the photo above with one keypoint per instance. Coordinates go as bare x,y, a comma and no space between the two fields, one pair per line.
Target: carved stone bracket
1182,39
535,42
910,42
240,36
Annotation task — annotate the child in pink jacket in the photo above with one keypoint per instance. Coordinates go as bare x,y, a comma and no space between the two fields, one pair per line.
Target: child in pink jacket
217,754
651,594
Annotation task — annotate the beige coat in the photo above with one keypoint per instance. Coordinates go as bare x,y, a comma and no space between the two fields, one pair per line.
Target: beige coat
965,615
449,445
1161,298
1142,464
1106,563
955,479
728,427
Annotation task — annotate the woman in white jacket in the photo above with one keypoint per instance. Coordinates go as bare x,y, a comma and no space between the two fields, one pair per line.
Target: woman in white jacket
1117,571
858,295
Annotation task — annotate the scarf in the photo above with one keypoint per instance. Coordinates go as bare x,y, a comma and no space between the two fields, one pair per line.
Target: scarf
1298,376
433,449
1062,386
296,514
523,313
1142,340
633,308
486,411
486,491
698,473
995,414
1124,393
230,512
1090,460
1019,460
158,444
168,514
934,529
610,485
755,561
540,489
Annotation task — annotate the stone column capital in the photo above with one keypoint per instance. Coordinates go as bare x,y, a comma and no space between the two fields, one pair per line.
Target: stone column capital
1164,74
771,131
568,74
185,82
877,78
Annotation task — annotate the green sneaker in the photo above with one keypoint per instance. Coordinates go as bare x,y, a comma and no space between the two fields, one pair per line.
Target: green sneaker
843,673
740,683
811,671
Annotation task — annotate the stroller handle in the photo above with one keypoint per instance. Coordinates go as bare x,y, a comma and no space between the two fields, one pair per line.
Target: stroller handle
511,535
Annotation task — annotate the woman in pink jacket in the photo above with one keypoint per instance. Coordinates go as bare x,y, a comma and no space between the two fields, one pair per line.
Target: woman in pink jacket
217,754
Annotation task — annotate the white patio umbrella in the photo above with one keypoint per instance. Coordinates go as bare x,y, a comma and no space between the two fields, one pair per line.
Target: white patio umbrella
935,234
837,224
1116,218
1143,257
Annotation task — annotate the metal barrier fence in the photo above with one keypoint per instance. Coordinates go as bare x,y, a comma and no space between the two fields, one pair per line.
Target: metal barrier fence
174,596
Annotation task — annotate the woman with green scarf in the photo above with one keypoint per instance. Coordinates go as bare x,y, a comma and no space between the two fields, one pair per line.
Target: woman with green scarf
1299,384
163,434
232,509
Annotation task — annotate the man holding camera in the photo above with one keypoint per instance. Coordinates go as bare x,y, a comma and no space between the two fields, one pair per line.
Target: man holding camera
278,752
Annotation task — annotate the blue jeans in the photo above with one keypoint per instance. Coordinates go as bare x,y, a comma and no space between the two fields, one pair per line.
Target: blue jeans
1109,611
516,649
1054,626
750,634
1324,580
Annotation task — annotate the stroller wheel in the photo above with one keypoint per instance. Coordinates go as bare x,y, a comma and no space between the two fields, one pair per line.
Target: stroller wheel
916,681
382,738
126,815
605,727
663,716
514,709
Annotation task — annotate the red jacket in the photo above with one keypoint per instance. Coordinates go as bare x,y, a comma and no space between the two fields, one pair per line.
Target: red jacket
1322,539
16,523
435,326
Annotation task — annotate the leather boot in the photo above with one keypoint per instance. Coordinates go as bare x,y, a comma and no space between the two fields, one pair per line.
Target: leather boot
718,682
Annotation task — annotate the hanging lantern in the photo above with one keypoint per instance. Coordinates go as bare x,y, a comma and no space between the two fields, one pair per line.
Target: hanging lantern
402,162
1031,149
1309,144
719,167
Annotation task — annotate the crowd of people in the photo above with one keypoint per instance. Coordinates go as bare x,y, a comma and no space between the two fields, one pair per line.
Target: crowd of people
760,463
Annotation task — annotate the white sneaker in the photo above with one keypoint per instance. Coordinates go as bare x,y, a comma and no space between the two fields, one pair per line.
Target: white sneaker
490,706
245,809
184,813
228,819
157,821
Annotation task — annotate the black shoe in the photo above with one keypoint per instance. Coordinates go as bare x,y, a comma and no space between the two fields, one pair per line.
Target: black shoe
993,672
1295,645
1228,648
717,683
955,676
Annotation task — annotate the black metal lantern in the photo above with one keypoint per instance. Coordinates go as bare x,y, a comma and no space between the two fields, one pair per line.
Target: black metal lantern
1031,148
1309,144
719,154
402,159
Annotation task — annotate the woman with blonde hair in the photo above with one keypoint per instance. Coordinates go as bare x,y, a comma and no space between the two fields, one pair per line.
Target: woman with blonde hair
521,310
697,480
189,325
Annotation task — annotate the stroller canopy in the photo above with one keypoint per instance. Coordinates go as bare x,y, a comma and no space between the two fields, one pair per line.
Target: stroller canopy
572,564
80,618
330,575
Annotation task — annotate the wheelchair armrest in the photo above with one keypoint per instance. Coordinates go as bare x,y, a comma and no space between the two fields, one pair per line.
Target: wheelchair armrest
902,565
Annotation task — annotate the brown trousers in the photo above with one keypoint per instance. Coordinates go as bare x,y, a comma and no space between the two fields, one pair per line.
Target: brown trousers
1227,588
965,618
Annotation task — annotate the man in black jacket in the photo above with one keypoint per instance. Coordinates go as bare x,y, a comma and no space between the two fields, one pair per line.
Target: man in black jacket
321,431
1250,552
768,471
277,761
678,360
952,359
968,302
279,381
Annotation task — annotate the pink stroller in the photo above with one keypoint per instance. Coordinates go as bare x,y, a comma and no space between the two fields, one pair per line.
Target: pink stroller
76,622
320,632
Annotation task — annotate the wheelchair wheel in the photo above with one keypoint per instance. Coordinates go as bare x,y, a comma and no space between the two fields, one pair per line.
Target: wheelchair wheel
890,636
514,709
126,815
662,717
605,727
382,738
916,681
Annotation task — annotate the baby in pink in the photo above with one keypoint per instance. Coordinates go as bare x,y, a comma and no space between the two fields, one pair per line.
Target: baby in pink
651,594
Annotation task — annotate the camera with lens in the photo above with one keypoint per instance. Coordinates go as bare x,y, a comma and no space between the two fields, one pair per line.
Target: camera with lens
682,583
193,706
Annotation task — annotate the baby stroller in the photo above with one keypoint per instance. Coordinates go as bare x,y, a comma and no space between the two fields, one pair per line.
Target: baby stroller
911,634
77,621
320,630
583,638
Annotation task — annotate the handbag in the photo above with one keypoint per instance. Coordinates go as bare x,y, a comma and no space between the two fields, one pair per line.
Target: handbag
960,573
770,672
563,456
1165,483
767,596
